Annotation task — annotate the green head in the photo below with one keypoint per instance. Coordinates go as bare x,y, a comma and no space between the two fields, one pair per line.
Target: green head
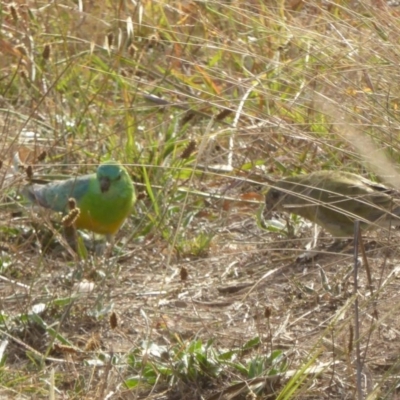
108,173
284,193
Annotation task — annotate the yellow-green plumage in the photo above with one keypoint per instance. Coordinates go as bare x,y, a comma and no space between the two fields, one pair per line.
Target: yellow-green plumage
334,199
105,199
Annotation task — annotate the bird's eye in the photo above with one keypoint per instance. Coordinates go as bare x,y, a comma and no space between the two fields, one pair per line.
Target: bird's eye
275,194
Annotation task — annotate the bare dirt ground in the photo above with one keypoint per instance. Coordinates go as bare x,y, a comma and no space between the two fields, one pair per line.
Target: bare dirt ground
248,284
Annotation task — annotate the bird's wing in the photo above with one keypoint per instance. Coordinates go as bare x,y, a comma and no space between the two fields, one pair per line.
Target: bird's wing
55,195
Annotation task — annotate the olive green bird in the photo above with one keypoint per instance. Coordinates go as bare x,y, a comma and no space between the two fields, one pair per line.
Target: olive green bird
105,198
335,199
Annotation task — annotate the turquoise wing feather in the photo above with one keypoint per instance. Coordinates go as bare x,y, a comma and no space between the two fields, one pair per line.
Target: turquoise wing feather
55,195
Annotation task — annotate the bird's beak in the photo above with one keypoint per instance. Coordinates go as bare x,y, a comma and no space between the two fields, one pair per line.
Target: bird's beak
104,184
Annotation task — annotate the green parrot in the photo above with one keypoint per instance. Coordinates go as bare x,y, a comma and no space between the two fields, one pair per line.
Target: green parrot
105,199
334,199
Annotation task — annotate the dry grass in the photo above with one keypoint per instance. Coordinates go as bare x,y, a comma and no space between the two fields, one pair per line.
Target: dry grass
200,100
